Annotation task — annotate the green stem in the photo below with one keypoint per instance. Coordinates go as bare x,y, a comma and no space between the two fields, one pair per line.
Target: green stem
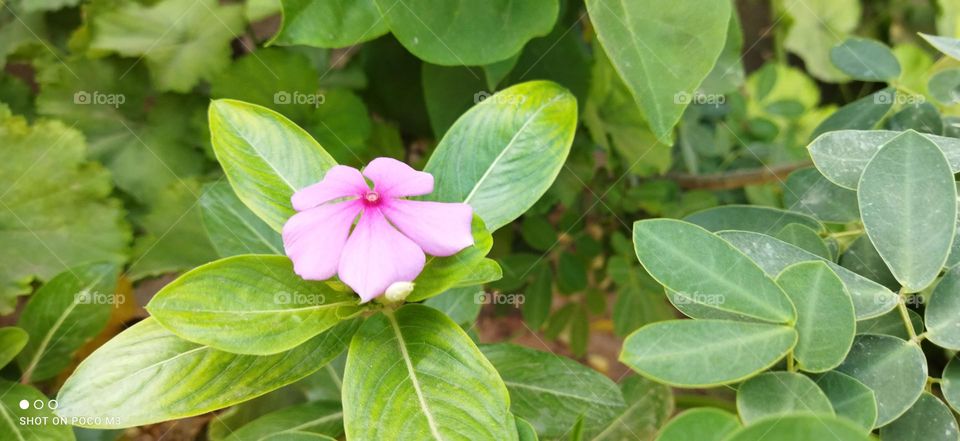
846,233
791,367
905,315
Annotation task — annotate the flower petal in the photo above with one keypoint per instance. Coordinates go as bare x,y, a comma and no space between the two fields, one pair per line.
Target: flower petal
392,178
440,228
377,255
314,239
340,181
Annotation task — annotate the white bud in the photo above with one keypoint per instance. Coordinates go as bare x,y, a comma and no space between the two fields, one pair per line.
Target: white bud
398,291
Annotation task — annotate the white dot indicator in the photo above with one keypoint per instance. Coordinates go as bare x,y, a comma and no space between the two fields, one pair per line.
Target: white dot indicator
24,404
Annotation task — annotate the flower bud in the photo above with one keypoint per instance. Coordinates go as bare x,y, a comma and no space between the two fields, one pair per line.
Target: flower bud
398,291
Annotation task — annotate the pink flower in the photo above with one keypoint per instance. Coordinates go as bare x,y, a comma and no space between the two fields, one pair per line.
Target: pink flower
388,243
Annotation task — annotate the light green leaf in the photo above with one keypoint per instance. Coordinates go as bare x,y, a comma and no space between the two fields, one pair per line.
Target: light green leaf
441,386
928,420
318,417
182,41
950,383
775,394
825,319
442,273
648,42
525,431
265,156
329,23
807,191
11,427
862,114
704,353
870,299
569,389
462,305
819,25
942,315
908,203
947,45
707,271
850,398
701,424
505,152
12,341
842,155
894,369
803,237
865,60
64,314
649,406
766,220
251,304
232,227
459,32
55,209
277,78
801,428
147,374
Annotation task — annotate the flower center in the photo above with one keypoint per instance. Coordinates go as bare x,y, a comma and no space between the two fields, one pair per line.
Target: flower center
372,197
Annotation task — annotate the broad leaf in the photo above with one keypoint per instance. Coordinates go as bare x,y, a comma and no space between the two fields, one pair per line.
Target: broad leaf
329,23
691,35
63,315
13,428
870,299
505,152
947,45
460,32
440,385
942,315
850,398
807,191
704,353
894,369
754,218
649,406
12,341
950,383
442,273
862,114
776,394
569,389
707,271
251,304
891,324
865,60
806,239
462,305
862,258
147,374
825,319
525,431
944,86
318,417
702,424
265,156
801,428
927,420
232,227
842,155
908,203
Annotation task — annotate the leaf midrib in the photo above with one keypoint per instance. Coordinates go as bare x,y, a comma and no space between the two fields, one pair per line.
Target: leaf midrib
411,373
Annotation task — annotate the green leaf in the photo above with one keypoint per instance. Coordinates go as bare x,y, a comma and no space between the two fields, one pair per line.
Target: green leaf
807,191
766,220
942,315
232,227
801,428
462,305
442,273
862,258
950,383
11,427
569,389
817,26
705,353
277,78
805,238
329,23
850,398
449,91
182,41
318,417
147,375
702,424
673,253
538,297
825,319
63,315
894,369
908,203
459,32
918,115
691,35
265,156
55,209
944,86
842,155
525,431
649,406
928,420
862,114
414,373
947,45
891,324
775,394
505,152
12,341
870,299
250,304
865,60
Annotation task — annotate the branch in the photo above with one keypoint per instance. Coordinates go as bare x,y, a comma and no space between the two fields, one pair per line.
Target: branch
736,179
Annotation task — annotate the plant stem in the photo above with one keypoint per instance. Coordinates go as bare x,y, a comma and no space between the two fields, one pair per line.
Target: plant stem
905,315
790,364
846,233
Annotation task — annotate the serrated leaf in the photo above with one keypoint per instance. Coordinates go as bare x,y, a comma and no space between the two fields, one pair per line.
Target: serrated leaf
775,394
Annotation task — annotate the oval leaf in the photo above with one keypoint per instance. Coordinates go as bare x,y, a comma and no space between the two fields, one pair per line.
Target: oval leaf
232,227
758,219
807,191
329,23
850,398
801,428
943,311
927,420
950,383
318,417
780,393
12,341
649,405
865,60
701,424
